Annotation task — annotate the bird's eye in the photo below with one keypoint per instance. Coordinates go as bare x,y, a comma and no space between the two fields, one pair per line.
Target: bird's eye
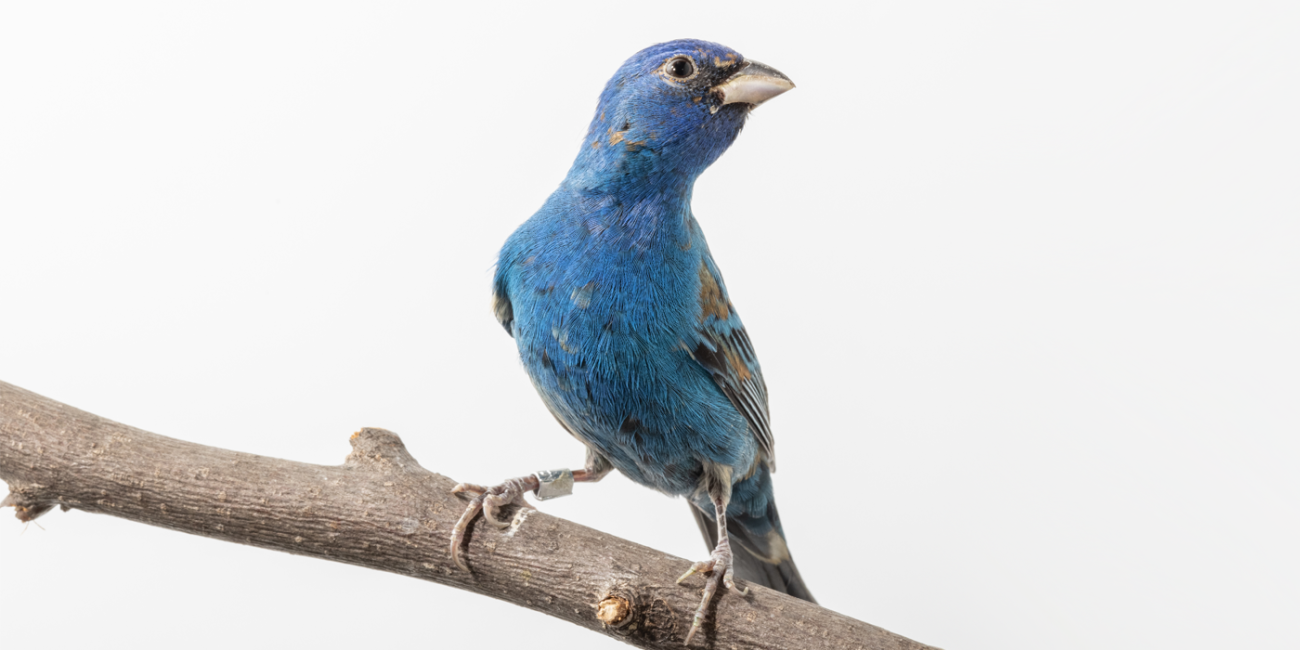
681,68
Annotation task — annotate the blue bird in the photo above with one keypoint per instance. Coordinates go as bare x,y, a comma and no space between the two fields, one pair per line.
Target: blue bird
625,326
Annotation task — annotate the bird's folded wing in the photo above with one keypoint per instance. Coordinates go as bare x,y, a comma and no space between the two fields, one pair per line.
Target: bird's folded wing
724,349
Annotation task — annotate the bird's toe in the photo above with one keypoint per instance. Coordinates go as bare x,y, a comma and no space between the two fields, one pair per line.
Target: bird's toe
489,501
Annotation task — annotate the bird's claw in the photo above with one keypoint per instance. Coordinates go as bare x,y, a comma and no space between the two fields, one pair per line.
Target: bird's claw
721,572
489,501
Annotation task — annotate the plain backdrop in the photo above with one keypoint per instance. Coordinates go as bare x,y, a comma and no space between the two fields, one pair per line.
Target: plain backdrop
1022,276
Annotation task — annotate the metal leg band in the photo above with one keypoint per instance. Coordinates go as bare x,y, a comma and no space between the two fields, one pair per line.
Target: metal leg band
554,483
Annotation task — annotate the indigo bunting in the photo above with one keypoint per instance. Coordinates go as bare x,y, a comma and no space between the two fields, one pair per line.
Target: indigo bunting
625,326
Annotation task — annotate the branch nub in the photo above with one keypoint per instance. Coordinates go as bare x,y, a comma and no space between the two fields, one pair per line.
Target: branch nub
26,509
379,446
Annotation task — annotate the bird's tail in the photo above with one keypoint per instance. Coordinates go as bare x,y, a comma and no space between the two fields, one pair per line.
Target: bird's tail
758,549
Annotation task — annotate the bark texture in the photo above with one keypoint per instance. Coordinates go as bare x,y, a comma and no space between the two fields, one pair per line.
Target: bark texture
380,509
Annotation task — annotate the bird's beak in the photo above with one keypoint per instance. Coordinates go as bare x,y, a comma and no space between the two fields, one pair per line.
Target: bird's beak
754,83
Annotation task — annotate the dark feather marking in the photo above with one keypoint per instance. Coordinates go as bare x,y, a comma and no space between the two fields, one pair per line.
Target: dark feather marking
504,311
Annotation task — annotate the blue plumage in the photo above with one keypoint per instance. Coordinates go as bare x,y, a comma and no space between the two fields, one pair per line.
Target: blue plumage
623,320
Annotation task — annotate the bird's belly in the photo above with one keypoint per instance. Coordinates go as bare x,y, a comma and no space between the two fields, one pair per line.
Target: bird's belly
634,394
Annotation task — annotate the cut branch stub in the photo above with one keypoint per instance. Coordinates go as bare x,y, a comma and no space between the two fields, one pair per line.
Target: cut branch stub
614,611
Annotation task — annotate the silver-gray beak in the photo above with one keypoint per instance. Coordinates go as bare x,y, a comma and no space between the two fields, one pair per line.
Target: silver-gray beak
754,84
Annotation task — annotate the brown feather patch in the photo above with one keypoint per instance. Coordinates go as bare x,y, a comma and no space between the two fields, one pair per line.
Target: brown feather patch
712,302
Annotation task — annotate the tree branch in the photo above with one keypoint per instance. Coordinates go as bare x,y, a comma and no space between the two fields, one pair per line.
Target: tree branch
381,510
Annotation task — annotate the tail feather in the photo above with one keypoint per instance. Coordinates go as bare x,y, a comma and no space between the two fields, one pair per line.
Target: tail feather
755,558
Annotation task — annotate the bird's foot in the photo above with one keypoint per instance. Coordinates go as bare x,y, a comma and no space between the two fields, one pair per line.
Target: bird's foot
488,500
719,568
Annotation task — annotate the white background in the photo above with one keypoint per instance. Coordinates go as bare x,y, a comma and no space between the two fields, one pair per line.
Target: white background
1023,278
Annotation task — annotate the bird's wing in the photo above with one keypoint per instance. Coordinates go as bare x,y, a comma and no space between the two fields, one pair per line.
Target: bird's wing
723,348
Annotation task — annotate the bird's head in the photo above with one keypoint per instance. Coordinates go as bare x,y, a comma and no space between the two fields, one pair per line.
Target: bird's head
671,110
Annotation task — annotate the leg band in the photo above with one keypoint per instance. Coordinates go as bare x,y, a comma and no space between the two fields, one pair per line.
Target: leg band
554,483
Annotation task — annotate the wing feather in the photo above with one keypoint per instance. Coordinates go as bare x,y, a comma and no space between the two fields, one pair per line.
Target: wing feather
724,349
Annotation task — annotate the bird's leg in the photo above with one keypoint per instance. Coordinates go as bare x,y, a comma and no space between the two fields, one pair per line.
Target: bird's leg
718,566
596,467
547,484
